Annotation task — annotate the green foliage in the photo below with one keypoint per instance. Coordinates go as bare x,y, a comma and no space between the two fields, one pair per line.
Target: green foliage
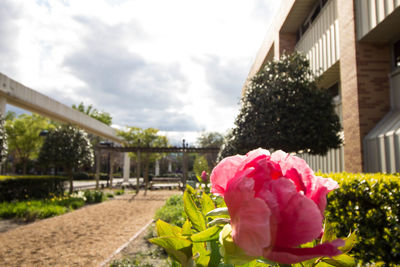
94,196
200,165
120,192
210,139
24,141
199,243
102,116
283,108
3,140
39,209
67,147
30,187
172,212
135,136
369,205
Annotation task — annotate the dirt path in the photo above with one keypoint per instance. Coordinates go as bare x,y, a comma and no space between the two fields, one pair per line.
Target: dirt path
85,237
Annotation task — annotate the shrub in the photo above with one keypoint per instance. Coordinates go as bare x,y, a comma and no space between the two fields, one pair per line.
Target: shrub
30,187
369,204
120,192
172,212
94,196
82,176
39,209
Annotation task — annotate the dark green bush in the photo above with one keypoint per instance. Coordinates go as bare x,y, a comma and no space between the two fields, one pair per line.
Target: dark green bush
94,196
82,176
369,204
30,187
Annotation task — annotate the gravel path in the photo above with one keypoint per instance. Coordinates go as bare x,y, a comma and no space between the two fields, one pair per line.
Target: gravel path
85,237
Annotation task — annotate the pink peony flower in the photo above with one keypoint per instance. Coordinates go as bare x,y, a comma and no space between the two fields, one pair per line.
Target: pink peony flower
276,203
204,176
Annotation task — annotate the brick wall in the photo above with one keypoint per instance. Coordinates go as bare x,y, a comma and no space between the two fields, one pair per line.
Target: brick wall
287,42
373,67
364,70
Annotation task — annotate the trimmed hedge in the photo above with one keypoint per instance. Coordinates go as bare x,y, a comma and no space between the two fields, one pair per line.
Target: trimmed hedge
30,187
369,204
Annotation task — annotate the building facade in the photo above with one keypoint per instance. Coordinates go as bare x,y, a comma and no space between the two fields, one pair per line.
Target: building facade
355,46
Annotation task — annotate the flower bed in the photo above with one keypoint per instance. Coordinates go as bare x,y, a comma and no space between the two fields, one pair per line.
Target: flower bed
366,204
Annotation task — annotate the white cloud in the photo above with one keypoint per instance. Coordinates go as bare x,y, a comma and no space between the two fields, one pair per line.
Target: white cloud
174,65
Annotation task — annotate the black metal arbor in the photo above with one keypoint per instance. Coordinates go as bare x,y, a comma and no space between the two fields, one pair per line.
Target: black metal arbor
184,150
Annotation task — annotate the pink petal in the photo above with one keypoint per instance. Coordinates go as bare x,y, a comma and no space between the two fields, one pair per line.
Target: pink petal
295,255
297,170
264,171
298,218
322,186
250,216
223,172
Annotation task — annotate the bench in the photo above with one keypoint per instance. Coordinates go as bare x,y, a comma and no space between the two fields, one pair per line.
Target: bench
166,182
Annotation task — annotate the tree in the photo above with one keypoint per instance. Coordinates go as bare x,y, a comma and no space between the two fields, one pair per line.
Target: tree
210,139
283,108
3,141
135,136
200,165
102,116
24,141
67,147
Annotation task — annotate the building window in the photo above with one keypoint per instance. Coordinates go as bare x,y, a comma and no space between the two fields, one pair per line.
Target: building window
396,54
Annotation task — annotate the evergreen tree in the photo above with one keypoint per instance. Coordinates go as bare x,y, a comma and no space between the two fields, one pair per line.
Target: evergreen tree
283,108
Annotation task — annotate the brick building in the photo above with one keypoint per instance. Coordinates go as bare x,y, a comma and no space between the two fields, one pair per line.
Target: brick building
355,46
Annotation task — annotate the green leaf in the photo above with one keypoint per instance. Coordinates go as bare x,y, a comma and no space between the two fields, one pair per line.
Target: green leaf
207,204
329,234
178,248
268,262
190,189
215,257
209,234
199,179
166,229
340,261
351,240
218,211
202,256
219,221
193,213
187,228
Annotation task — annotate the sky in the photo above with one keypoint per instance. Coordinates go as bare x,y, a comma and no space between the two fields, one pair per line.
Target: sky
175,65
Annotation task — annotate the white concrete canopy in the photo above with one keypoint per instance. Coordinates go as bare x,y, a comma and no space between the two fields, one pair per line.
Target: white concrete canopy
21,96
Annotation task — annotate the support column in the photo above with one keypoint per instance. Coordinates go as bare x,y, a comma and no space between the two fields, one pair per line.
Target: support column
137,171
97,157
169,166
184,169
3,102
127,168
111,170
157,169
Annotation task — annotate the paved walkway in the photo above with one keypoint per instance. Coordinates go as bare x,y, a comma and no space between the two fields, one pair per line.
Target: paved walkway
85,237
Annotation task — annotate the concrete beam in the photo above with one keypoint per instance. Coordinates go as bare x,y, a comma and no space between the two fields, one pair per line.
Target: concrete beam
21,96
